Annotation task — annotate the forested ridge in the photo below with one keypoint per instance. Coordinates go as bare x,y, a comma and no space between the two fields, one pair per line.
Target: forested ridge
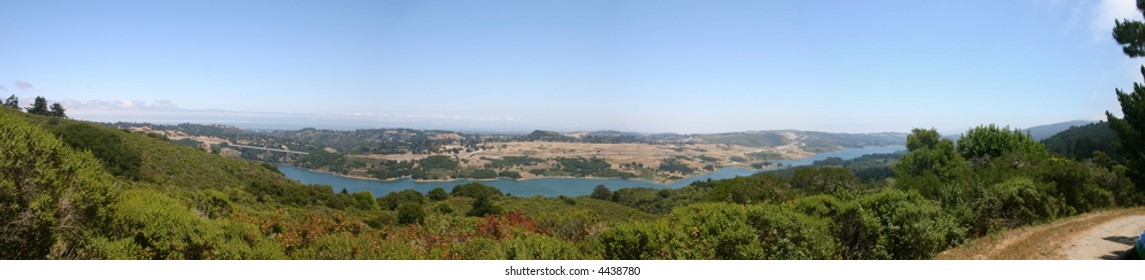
77,190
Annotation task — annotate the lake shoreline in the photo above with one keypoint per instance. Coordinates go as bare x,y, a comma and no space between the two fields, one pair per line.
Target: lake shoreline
666,182
744,166
549,186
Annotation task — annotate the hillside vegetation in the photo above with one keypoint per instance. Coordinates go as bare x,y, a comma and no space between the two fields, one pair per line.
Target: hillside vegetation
76,190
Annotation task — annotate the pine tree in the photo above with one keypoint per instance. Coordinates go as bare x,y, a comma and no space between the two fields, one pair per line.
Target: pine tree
1130,34
57,111
39,107
12,102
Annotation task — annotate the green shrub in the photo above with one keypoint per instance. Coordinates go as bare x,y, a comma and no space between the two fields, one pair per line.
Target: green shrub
912,226
394,199
475,190
539,247
635,241
438,194
1016,202
107,145
51,197
410,214
786,234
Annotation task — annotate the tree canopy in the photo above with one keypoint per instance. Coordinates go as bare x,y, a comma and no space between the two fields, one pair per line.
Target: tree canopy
1130,34
39,107
12,102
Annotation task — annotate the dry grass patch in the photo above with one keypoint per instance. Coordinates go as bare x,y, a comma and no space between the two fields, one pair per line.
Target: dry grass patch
1041,242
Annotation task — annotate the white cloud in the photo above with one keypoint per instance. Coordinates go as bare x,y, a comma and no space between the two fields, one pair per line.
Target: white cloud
1109,10
22,85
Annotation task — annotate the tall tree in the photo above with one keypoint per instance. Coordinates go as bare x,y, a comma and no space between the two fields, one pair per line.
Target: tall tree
39,107
1130,34
12,102
57,110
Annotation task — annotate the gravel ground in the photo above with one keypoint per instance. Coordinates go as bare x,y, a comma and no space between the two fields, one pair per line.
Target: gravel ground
1111,240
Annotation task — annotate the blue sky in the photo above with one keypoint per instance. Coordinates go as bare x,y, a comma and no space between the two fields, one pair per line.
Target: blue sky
644,66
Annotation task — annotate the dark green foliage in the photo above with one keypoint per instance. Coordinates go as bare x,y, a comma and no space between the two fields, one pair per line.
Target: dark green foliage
293,194
159,227
443,208
635,241
581,167
993,141
511,161
601,192
1081,142
930,164
438,194
365,201
651,200
913,226
394,199
824,179
786,234
673,165
1077,186
1015,202
509,174
12,102
212,204
1130,128
108,145
858,234
712,231
320,158
482,174
1130,34
438,162
483,206
548,136
567,200
39,107
57,110
475,190
410,213
722,231
751,189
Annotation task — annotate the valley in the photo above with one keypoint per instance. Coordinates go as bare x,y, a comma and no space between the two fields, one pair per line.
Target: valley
434,155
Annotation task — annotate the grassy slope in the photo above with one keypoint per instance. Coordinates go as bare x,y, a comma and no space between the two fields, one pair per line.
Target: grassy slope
187,203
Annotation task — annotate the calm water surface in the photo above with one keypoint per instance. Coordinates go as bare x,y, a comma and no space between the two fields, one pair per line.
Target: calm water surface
552,186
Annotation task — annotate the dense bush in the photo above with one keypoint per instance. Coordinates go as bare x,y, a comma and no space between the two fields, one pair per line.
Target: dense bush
394,199
752,189
438,194
1015,202
823,179
483,206
475,190
410,213
994,141
913,226
107,145
51,197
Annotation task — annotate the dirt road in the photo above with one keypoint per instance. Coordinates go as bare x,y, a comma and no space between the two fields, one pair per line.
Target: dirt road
1107,241
1099,235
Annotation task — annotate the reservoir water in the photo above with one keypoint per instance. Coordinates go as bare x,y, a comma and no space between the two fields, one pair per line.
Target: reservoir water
552,186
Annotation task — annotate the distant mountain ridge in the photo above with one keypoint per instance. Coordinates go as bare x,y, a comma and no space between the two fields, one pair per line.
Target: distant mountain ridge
1042,132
